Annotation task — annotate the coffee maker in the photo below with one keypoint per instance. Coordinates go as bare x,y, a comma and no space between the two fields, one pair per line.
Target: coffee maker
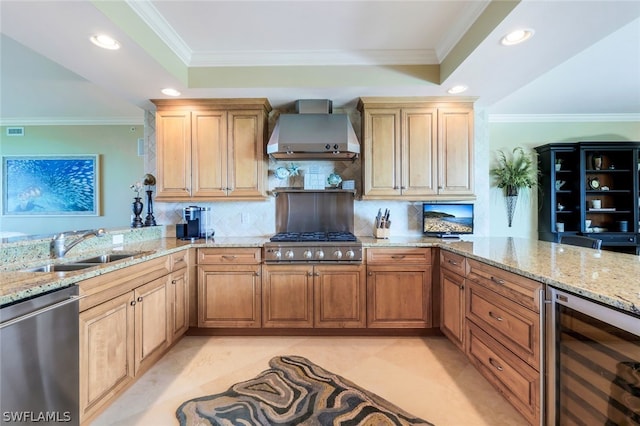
195,223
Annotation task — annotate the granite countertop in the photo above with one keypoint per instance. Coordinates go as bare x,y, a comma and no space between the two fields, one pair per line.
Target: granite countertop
604,276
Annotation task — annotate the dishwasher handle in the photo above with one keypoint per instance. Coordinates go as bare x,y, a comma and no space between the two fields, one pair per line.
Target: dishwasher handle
71,299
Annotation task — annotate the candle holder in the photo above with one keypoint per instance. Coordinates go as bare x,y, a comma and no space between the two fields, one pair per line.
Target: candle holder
149,220
149,180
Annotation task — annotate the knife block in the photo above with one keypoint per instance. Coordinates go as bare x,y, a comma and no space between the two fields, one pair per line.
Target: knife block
381,232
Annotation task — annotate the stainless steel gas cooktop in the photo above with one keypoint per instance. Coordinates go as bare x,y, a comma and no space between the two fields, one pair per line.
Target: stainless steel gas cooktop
314,226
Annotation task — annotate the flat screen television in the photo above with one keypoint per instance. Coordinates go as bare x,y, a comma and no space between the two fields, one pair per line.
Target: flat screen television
444,220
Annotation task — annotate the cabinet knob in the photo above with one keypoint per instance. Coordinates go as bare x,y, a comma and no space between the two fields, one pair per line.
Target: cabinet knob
133,303
495,364
497,280
309,274
173,282
370,274
317,274
495,316
139,299
453,262
258,274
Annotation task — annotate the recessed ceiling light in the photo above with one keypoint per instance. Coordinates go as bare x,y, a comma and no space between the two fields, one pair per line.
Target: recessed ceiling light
457,89
105,42
171,92
515,37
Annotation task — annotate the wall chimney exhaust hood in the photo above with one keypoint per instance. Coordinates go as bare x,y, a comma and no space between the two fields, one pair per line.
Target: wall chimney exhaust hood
313,133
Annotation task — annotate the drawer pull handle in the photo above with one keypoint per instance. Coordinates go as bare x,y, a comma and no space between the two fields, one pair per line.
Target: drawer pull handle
228,256
497,280
494,316
495,364
398,256
453,262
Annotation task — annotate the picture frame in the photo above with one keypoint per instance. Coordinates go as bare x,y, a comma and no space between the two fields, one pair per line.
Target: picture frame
51,185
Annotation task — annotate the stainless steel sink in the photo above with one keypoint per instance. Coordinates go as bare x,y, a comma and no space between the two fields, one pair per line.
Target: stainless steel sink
106,258
83,263
63,267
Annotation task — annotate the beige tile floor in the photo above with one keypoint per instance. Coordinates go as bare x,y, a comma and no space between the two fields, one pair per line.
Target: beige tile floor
427,377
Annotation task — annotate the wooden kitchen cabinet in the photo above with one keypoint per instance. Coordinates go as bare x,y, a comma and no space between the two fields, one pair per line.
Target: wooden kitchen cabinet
179,293
417,148
503,333
151,322
125,326
339,296
452,311
229,287
106,352
319,296
179,299
399,288
211,149
288,296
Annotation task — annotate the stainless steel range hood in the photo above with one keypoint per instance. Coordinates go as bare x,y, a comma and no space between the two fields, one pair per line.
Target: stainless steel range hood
313,133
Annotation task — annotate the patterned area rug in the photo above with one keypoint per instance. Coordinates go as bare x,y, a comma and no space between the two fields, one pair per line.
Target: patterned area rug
294,391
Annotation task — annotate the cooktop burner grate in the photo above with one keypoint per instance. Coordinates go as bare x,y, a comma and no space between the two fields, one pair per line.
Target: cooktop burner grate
336,236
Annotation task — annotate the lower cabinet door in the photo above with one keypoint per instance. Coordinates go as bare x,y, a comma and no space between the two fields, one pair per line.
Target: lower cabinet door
106,352
151,322
452,314
179,300
287,292
229,296
398,297
340,299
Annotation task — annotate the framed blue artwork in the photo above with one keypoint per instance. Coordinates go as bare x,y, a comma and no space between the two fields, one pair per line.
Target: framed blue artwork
50,185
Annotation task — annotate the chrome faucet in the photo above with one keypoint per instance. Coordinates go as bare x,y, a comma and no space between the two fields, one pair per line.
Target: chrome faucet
59,245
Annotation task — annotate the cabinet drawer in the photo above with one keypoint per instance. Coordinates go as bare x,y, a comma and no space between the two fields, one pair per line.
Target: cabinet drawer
514,326
514,379
453,262
396,256
216,256
521,290
179,260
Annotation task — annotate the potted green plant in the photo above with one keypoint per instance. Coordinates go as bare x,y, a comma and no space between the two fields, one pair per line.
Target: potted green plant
514,173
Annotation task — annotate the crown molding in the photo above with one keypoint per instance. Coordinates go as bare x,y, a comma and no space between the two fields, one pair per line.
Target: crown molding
563,118
154,19
72,121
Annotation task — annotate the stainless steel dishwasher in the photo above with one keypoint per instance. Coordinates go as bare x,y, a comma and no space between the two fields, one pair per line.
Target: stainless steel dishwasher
39,380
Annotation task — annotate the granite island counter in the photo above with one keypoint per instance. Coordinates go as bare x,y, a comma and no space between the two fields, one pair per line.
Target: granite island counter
607,277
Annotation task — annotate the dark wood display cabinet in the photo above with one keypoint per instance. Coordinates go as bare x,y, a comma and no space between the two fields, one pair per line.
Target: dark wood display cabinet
591,188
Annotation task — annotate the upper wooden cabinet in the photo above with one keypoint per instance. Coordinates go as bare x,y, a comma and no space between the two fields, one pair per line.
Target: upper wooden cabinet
417,148
211,149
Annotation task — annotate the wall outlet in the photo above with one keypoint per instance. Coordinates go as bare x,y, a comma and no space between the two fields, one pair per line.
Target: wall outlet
118,239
